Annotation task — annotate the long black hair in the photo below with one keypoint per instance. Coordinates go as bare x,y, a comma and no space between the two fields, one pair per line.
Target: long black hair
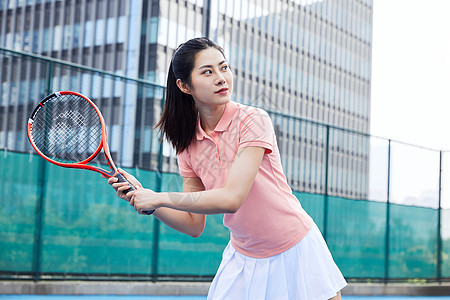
179,118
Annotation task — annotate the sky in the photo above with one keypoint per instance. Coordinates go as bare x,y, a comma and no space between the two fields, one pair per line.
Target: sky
410,98
410,91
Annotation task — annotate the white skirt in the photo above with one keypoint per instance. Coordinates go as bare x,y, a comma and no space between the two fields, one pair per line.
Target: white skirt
306,271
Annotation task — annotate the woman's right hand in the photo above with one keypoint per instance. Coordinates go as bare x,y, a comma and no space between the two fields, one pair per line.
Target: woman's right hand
121,187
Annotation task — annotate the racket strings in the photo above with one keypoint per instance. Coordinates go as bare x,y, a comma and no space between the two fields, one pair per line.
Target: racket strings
67,129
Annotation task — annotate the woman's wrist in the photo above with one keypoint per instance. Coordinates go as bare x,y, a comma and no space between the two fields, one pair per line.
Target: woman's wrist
175,200
161,200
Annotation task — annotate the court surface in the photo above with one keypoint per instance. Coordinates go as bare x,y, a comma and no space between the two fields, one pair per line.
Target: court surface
100,297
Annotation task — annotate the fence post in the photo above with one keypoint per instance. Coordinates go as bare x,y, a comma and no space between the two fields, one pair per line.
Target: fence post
39,220
439,233
325,201
388,212
40,201
49,78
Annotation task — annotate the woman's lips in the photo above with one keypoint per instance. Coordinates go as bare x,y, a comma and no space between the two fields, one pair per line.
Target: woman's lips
223,91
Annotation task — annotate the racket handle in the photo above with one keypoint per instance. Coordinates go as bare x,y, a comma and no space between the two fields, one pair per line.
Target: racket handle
132,188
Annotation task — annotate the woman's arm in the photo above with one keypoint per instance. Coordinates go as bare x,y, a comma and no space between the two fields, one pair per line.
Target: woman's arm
222,200
185,222
189,223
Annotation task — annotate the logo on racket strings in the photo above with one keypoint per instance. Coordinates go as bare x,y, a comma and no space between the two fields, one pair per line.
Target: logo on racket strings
70,133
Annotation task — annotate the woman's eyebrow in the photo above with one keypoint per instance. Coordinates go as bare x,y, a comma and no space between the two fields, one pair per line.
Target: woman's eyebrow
210,66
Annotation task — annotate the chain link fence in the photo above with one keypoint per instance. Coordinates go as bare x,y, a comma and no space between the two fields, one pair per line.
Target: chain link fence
383,206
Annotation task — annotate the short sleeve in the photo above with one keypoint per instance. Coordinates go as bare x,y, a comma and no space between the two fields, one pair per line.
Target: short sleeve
256,130
184,164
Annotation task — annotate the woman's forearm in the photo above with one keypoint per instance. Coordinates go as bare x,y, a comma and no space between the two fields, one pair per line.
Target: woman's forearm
184,222
216,201
186,211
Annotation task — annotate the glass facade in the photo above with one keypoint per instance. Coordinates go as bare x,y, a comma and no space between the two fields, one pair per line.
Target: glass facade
309,59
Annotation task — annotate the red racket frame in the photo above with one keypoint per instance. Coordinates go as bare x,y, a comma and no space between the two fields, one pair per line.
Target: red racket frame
83,164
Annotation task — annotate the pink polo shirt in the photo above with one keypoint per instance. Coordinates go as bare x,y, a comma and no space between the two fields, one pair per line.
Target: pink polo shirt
271,219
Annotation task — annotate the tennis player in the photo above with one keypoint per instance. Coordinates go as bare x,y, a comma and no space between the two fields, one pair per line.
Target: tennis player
230,164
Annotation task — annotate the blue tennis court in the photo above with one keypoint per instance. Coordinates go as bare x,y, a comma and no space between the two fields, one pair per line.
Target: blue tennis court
395,297
100,297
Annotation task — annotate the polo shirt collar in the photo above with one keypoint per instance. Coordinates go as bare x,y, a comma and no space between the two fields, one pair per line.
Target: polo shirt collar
230,109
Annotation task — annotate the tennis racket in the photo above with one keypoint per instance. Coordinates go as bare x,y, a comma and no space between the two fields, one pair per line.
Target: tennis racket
68,130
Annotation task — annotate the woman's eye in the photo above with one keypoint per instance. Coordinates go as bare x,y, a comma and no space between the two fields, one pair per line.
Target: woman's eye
207,72
225,67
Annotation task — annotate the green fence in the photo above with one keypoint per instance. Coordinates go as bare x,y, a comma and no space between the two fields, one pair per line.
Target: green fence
83,229
383,206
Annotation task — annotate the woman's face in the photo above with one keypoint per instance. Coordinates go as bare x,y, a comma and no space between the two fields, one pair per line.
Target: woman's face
211,79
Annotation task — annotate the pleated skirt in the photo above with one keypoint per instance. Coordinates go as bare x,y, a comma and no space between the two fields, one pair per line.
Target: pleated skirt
306,271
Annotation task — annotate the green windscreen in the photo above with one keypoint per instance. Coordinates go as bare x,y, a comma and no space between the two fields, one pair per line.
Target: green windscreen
84,230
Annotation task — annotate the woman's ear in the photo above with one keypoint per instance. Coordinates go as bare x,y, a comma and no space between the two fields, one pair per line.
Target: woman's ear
183,87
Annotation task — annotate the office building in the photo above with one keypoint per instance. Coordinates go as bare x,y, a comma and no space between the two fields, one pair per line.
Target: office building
298,59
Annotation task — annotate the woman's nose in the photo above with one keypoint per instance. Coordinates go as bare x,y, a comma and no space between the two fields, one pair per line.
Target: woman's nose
220,80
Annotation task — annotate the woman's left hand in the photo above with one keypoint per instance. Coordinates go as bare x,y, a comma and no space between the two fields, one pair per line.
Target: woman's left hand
144,200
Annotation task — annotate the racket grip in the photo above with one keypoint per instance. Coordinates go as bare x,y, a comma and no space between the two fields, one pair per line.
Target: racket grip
121,178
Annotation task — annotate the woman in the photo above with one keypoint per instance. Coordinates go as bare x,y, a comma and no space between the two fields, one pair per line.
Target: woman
230,164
